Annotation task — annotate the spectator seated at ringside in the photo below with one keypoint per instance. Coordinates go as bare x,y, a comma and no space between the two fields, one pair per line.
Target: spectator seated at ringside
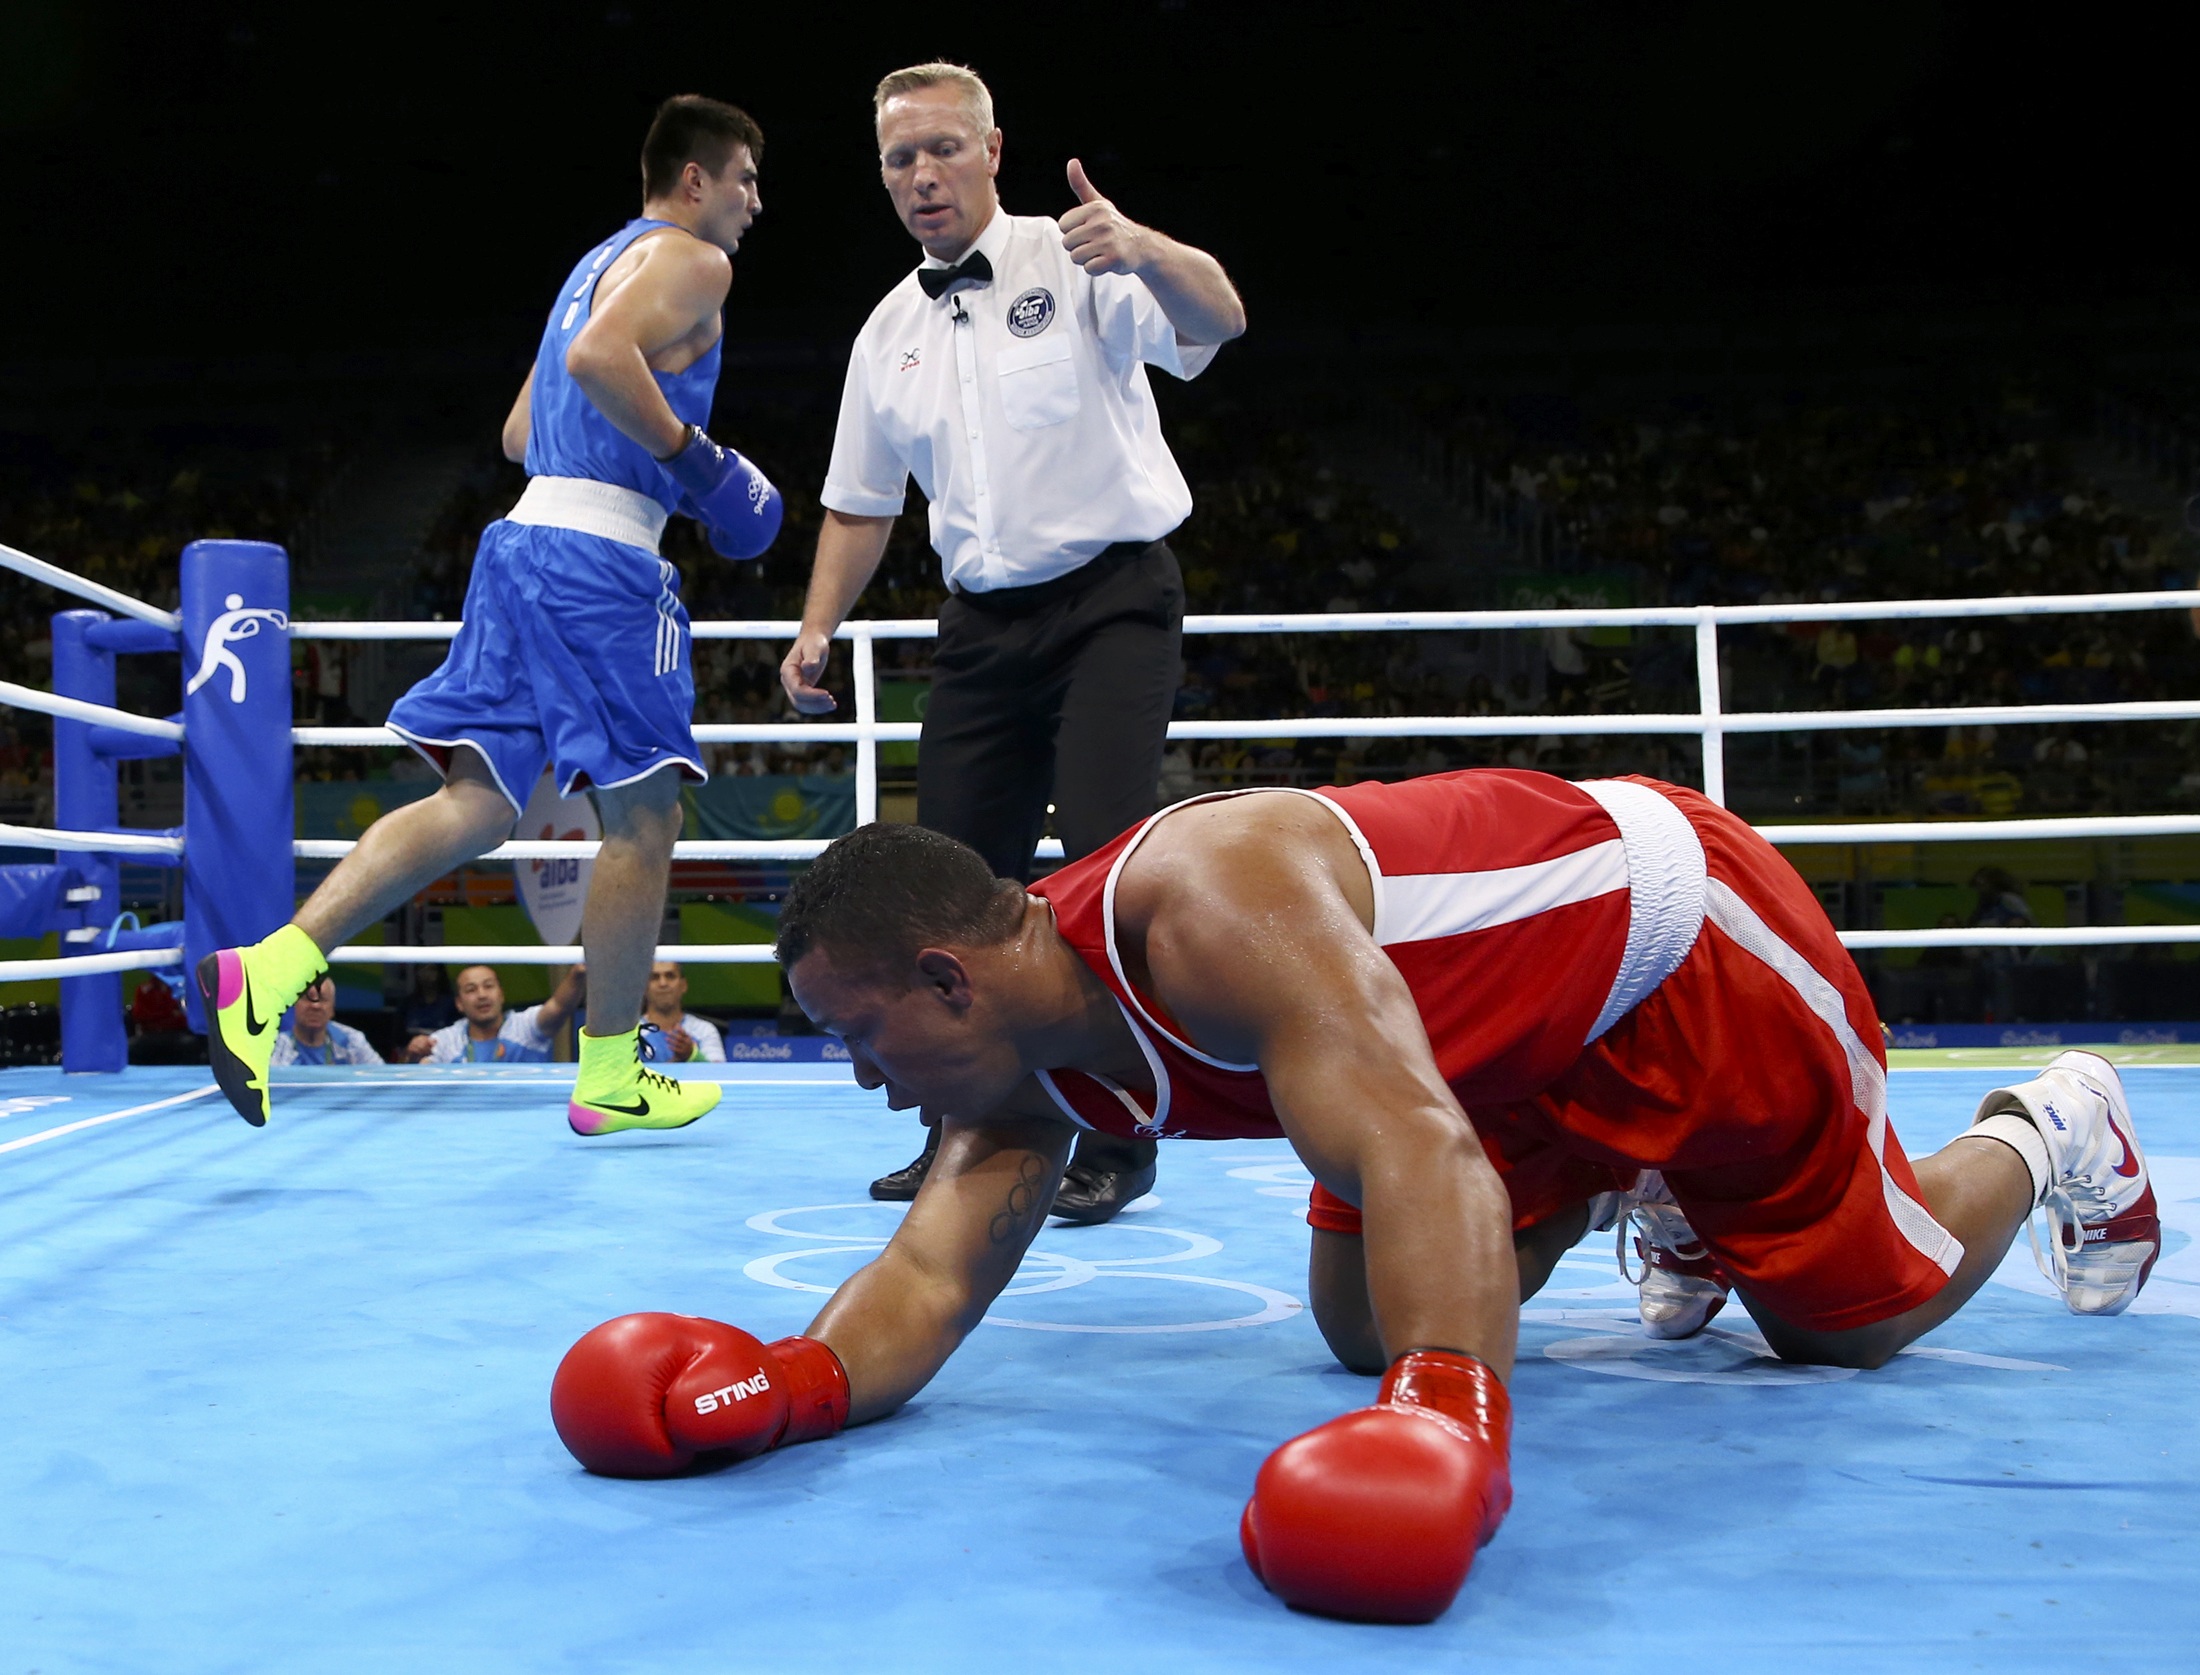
314,1036
685,1037
487,1033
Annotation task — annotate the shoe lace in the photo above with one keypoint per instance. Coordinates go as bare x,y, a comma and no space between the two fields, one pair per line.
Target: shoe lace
2065,1235
1649,1223
1624,1231
656,1081
1624,1234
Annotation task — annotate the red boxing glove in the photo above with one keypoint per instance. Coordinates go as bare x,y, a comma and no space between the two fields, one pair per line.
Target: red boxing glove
642,1395
1379,1513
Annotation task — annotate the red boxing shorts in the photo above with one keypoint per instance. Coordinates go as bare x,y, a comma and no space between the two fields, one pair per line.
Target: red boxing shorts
1755,1079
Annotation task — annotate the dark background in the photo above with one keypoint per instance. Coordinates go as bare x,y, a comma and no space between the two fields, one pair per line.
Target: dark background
244,180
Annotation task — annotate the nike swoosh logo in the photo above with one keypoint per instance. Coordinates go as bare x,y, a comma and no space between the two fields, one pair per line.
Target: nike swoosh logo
252,1024
2129,1167
640,1108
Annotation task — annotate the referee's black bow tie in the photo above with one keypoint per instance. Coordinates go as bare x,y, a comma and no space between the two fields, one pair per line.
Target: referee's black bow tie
973,267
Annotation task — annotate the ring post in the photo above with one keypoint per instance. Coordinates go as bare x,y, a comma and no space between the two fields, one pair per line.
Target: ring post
865,671
239,883
85,800
1709,704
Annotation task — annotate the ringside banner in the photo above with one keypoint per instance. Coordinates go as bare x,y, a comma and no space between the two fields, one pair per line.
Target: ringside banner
555,892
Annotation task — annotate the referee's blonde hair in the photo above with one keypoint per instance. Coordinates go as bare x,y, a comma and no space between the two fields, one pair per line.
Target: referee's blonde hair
977,97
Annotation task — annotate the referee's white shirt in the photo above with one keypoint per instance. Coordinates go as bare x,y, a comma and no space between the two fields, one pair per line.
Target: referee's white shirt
1023,413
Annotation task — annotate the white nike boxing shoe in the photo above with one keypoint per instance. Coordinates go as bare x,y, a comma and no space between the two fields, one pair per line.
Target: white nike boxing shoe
2103,1229
1679,1288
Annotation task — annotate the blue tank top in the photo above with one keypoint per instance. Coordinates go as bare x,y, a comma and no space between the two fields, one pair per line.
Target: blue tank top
567,436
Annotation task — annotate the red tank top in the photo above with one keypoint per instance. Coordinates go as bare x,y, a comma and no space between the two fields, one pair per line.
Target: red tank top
1526,914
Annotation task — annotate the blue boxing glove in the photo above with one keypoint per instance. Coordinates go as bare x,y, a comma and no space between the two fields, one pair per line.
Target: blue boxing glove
733,500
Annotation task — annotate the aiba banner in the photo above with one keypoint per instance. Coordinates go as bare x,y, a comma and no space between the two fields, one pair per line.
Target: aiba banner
554,892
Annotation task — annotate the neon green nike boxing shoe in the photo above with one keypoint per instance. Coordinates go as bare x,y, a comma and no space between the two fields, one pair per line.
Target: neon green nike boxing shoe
246,991
615,1090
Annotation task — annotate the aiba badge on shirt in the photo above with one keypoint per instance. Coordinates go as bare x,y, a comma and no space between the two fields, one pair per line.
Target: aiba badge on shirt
1028,314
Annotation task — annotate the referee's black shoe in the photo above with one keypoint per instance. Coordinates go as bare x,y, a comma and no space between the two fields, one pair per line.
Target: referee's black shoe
902,1184
1107,1176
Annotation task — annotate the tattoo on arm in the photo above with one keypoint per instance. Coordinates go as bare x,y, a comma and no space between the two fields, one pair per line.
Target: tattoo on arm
1026,1204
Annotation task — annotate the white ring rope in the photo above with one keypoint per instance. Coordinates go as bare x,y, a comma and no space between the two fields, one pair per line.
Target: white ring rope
2026,936
554,849
1737,721
1987,831
89,843
1959,715
1378,622
570,953
87,965
85,588
76,709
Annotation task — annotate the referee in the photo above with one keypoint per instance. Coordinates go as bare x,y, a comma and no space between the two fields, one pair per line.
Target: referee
1008,375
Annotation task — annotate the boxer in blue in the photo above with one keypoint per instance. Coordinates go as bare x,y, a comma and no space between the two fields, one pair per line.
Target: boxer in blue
574,648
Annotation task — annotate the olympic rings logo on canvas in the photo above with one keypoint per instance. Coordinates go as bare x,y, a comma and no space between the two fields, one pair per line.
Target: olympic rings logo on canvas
1056,1271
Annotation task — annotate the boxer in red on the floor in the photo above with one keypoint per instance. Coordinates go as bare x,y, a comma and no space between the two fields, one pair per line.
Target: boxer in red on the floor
1484,1008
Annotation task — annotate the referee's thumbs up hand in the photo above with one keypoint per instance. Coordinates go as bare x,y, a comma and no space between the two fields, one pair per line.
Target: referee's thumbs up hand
1099,237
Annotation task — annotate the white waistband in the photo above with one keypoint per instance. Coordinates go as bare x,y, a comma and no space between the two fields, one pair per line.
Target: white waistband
1666,880
591,508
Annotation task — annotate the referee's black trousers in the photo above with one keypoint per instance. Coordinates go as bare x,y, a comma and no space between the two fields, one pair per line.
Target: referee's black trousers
1058,693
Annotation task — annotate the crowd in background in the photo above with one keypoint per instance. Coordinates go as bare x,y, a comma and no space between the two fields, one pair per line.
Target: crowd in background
1914,495
1655,501
119,507
1929,494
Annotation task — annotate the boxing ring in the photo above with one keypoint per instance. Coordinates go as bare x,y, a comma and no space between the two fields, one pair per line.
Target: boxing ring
278,1398
237,757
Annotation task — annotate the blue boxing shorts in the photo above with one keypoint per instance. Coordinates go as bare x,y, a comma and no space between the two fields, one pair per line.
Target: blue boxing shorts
574,652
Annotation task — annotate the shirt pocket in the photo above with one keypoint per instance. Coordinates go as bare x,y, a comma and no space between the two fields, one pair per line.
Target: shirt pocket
1038,383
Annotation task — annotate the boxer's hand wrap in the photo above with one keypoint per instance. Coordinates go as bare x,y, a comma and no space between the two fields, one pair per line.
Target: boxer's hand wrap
1378,1514
735,501
643,1395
